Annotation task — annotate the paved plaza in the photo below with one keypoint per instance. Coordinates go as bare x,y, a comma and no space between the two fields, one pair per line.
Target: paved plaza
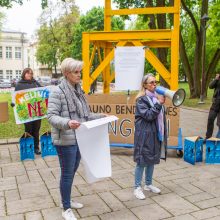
29,190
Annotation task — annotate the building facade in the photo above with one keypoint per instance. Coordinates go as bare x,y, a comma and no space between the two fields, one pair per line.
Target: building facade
38,68
13,54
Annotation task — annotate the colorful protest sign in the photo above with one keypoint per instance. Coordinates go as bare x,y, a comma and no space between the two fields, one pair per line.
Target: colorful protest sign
30,104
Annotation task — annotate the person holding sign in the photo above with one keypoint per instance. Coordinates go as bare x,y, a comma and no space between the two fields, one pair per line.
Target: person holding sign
150,138
28,82
67,108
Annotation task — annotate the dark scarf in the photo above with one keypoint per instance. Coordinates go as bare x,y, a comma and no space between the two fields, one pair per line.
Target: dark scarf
75,98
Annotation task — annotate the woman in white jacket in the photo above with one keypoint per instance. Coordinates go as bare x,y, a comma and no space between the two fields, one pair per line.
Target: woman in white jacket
67,108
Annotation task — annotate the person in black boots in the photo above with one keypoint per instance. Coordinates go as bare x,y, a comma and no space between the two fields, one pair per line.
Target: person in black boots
215,107
28,82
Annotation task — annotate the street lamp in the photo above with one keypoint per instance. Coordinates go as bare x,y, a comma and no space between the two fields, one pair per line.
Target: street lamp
204,20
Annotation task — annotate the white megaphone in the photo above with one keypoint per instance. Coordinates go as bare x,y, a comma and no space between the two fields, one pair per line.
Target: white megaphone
177,97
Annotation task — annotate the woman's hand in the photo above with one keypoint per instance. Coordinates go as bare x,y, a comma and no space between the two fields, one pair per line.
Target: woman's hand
161,99
73,124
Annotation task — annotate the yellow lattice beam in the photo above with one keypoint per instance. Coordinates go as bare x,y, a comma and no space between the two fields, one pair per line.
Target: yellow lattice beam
159,38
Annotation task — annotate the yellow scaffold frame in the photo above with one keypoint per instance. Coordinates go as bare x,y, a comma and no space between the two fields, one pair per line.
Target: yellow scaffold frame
107,39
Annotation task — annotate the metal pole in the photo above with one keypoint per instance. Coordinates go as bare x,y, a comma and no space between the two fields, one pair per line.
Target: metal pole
203,65
204,19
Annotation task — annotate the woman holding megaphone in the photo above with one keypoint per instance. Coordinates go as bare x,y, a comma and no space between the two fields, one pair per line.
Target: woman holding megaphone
150,138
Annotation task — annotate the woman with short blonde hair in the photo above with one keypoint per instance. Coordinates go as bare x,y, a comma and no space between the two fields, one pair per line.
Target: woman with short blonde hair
67,109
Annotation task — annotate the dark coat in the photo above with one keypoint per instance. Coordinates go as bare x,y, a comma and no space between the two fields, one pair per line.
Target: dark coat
27,84
147,146
215,84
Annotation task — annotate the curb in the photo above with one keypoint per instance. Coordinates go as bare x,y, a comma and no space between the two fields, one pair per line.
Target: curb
195,109
9,141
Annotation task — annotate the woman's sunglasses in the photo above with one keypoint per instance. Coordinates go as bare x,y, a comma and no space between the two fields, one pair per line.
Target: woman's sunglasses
151,82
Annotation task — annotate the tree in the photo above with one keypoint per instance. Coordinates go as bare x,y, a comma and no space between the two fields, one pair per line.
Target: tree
9,3
92,21
2,16
191,40
55,35
198,81
154,22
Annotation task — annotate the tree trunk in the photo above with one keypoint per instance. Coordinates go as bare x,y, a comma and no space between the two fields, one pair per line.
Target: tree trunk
197,58
162,52
186,65
212,66
152,23
197,69
161,24
203,28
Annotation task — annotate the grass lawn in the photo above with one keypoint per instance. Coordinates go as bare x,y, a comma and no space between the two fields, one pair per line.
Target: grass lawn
11,130
193,103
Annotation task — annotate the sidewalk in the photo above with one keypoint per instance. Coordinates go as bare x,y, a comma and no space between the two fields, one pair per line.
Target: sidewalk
30,190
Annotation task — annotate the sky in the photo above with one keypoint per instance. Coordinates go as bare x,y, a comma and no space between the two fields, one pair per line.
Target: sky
24,18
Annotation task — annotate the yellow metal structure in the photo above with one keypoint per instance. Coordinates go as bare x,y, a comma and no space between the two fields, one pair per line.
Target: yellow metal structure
107,40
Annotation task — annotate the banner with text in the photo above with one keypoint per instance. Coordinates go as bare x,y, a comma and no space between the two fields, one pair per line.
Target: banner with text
30,104
123,106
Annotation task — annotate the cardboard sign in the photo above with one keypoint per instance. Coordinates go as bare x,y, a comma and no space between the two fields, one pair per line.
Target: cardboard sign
3,111
123,106
30,104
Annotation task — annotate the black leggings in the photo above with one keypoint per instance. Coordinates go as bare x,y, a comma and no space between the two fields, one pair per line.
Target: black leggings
33,129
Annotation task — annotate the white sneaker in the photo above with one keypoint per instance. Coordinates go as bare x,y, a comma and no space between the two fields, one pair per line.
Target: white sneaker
139,193
152,188
74,205
68,215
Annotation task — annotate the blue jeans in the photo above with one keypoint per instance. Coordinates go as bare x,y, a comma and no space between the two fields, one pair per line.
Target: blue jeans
69,158
149,169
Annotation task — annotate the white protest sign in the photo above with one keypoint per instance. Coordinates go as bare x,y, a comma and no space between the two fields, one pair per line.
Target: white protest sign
93,141
129,67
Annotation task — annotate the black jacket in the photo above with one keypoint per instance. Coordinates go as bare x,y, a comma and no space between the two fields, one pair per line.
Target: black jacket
27,84
147,146
215,84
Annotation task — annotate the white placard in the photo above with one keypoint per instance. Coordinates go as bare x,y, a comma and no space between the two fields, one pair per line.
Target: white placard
129,67
93,141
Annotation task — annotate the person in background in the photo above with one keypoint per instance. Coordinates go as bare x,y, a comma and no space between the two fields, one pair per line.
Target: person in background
150,138
218,124
215,107
28,82
67,109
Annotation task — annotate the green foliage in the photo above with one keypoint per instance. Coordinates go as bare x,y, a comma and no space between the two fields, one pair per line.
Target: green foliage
190,36
55,35
93,20
47,47
9,3
213,33
138,24
2,16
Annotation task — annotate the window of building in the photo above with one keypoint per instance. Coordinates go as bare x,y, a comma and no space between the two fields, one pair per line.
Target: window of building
18,74
0,52
8,52
1,74
9,74
17,52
